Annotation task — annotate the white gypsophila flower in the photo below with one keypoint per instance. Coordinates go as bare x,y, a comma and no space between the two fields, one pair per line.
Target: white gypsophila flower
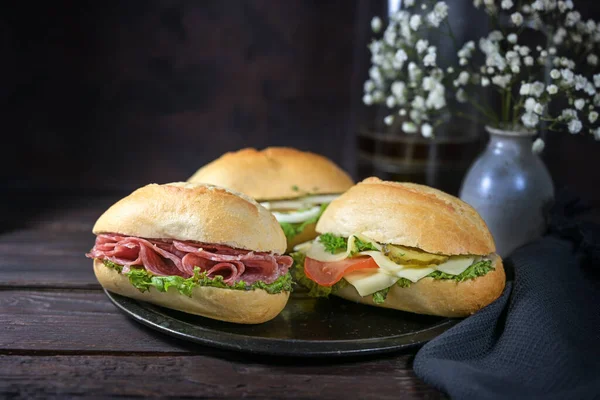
418,103
495,36
589,88
537,88
538,109
506,4
390,102
477,3
567,76
376,24
436,100
530,119
515,69
461,96
572,18
530,104
398,88
597,80
552,89
400,57
490,70
568,114
544,53
375,75
428,83
415,22
597,100
450,70
429,59
528,61
423,6
596,133
369,85
409,3
426,130
390,36
552,51
437,15
555,74
377,96
402,112
538,146
462,62
580,82
416,116
501,80
414,73
517,19
409,127
463,78
367,99
592,116
485,82
389,120
512,57
524,51
512,38
575,126
579,104
421,45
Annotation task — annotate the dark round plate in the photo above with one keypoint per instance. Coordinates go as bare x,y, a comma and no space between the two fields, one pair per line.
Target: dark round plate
307,327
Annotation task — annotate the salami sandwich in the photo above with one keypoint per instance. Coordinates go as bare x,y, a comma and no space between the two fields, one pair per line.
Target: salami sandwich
196,248
402,246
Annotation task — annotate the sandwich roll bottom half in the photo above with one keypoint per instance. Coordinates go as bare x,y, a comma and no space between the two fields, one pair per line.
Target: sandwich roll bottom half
402,246
196,248
296,186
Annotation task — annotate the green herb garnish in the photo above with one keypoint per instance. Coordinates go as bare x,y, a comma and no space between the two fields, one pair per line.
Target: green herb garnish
295,188
332,243
143,280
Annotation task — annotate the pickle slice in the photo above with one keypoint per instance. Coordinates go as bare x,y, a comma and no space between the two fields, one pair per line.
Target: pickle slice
407,255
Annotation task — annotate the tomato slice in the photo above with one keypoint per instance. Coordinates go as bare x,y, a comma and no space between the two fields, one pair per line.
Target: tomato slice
329,273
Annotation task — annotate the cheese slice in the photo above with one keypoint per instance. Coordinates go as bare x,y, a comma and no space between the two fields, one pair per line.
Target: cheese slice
455,265
370,280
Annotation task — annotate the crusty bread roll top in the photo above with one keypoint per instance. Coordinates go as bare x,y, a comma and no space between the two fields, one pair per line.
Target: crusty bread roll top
410,215
196,212
275,173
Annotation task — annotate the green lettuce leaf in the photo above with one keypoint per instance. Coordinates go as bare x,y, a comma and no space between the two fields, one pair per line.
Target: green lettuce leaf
359,246
477,269
380,296
314,289
144,280
291,230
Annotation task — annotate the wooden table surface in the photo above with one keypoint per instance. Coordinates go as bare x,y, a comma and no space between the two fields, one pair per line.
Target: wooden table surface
61,337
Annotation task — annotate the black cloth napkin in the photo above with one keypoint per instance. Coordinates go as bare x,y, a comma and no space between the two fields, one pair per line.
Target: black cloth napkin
541,338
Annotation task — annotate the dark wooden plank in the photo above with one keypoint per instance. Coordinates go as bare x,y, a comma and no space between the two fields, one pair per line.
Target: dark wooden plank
74,321
46,247
208,377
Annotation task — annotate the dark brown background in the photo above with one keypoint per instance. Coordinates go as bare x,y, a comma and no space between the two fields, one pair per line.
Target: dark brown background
111,95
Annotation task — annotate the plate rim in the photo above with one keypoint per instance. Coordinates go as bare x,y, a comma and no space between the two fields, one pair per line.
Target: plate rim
263,345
